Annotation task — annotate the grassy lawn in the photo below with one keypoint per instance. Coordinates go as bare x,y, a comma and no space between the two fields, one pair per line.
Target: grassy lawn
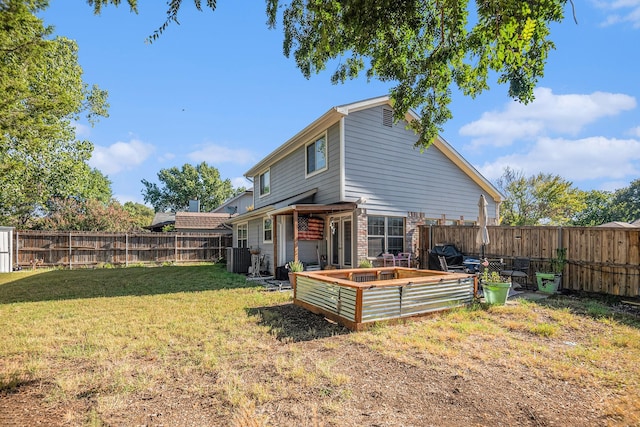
140,345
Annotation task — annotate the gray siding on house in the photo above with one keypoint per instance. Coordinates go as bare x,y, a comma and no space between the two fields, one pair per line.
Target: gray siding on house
288,177
383,166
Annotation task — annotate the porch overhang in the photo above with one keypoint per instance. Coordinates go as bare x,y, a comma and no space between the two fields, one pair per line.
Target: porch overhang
304,209
314,208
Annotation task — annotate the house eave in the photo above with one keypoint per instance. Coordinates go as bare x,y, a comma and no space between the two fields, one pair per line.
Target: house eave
247,216
315,208
327,119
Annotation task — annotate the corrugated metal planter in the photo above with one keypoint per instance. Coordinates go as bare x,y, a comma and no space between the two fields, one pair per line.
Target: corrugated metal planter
358,298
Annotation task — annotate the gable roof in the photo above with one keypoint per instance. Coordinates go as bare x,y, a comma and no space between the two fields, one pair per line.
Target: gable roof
201,221
336,113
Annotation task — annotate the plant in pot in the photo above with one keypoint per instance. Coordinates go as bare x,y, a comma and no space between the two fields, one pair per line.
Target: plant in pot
495,287
365,263
294,267
549,282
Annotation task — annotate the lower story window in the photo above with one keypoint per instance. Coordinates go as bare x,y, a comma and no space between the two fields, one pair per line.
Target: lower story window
385,234
268,230
243,232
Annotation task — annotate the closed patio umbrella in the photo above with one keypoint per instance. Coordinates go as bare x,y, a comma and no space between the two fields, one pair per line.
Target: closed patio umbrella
482,238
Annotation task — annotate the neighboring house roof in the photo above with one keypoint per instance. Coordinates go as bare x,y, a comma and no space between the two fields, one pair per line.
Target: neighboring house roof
201,221
235,204
336,113
161,219
621,224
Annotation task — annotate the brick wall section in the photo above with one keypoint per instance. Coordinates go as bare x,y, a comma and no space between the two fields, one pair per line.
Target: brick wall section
362,241
412,238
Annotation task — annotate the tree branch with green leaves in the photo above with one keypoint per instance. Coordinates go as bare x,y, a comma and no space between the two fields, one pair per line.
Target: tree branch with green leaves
425,47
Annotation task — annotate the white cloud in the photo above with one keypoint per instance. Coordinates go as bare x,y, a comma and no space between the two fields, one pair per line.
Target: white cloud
620,12
81,130
594,158
241,181
120,156
563,114
635,131
214,154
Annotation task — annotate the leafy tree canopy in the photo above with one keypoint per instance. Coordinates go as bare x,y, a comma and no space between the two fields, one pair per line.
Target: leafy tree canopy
597,209
179,186
538,199
626,203
41,93
141,215
424,47
87,215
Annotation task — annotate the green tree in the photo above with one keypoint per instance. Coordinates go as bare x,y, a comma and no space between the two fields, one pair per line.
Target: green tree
41,93
597,211
86,215
426,48
539,199
625,205
179,186
141,215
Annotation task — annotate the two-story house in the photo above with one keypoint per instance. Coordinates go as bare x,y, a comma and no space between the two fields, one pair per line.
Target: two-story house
352,185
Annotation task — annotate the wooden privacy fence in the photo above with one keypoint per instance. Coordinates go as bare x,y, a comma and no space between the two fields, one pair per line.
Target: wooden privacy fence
599,259
76,249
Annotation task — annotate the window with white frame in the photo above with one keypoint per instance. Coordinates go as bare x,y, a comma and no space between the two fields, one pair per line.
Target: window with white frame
268,230
243,235
385,234
317,155
265,183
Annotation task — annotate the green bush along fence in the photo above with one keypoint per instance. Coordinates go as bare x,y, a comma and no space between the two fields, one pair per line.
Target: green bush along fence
599,259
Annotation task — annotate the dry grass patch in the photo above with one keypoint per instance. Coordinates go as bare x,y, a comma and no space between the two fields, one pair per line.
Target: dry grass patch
199,346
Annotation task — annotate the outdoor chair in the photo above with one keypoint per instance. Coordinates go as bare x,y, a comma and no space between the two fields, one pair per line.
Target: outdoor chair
404,257
450,269
389,259
519,272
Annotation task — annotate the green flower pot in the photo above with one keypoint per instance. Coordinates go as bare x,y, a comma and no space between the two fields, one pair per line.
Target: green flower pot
496,292
548,283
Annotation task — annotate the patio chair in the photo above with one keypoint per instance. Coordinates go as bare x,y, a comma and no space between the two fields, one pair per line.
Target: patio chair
404,257
389,259
450,269
519,272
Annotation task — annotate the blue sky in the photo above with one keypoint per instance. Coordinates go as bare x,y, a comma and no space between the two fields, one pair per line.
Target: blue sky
217,88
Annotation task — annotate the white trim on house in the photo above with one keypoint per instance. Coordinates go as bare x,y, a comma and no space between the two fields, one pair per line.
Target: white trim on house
343,172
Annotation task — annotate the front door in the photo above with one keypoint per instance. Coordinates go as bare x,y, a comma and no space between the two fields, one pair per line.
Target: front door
341,240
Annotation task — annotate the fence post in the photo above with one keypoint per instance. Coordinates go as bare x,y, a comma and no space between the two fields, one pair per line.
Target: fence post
175,248
70,266
126,249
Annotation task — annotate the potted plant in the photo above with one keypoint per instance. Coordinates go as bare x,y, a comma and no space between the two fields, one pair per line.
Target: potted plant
549,282
365,263
495,287
294,267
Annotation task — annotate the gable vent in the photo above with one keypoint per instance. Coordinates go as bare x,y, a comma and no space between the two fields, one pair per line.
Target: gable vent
387,117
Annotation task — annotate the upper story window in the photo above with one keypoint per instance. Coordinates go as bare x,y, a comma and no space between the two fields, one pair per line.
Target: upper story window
265,183
317,155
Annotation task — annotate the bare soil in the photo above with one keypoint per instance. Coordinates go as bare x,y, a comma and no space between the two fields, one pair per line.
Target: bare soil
381,391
